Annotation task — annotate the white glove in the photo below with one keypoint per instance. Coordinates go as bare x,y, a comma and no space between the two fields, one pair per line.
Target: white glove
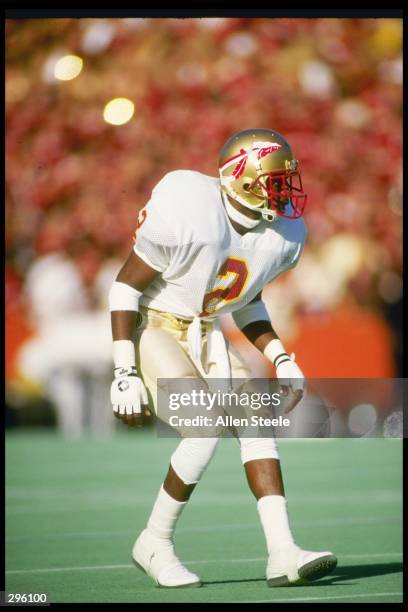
128,392
290,375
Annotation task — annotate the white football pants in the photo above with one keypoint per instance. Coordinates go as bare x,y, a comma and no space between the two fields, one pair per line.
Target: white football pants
162,352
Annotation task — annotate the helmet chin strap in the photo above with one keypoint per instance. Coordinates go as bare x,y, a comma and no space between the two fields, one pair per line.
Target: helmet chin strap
238,216
269,215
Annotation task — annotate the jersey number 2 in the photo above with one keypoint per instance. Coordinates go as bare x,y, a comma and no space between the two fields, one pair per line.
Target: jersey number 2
140,220
229,284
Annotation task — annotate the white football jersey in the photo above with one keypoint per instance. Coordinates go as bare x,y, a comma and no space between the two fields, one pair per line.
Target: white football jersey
207,268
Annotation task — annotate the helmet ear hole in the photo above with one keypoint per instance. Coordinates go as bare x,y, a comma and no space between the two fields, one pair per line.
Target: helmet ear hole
245,187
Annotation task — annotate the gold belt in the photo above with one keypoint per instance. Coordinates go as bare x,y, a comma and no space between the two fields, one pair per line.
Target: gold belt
166,320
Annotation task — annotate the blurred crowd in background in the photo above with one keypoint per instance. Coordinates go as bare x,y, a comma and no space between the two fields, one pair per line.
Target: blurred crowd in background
75,183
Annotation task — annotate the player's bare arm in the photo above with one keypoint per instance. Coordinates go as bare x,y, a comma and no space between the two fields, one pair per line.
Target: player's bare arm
129,397
137,274
259,333
262,335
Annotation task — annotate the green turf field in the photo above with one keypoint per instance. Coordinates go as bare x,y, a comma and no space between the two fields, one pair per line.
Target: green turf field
75,508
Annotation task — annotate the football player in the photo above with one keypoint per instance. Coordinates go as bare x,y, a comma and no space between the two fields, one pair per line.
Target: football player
204,247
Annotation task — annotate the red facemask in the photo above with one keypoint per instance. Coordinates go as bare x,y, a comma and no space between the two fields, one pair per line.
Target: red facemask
283,191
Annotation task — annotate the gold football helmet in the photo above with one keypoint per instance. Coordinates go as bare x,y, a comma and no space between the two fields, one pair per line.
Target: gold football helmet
258,170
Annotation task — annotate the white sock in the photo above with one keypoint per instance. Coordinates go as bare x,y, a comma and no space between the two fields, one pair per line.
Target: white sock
163,518
275,522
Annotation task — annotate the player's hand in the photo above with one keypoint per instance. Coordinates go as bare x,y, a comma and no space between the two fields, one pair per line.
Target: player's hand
290,378
128,395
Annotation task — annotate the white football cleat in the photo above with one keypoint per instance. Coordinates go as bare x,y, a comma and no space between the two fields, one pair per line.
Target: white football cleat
296,566
159,561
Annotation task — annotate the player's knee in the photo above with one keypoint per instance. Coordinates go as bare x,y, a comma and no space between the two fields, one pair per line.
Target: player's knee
191,457
258,448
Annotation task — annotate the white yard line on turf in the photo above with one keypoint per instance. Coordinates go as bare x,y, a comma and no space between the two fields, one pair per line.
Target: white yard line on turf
255,559
333,597
193,562
210,528
84,501
69,569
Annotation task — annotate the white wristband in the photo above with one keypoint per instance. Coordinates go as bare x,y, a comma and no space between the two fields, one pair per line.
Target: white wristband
124,354
275,352
124,297
254,311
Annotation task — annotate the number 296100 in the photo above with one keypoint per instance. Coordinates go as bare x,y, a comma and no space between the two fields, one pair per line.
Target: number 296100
25,598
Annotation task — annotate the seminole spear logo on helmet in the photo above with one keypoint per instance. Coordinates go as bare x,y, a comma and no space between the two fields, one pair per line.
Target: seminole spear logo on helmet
260,148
